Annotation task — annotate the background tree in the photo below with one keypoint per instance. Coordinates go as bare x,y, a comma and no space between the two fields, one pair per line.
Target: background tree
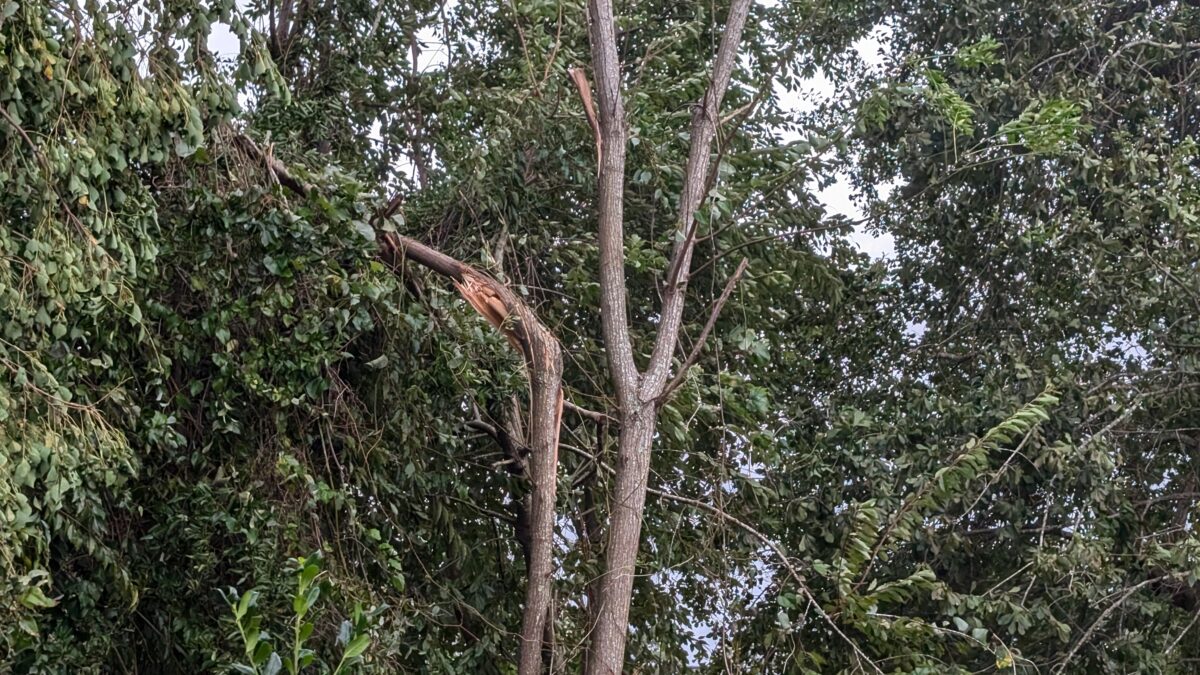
977,453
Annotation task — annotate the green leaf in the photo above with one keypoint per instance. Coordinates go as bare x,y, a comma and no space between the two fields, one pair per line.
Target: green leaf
357,646
263,651
248,600
309,573
34,597
364,230
274,665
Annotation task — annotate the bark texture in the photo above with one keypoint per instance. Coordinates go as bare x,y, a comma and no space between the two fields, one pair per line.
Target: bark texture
543,361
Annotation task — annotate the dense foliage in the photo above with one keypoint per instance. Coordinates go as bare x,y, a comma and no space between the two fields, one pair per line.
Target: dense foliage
979,453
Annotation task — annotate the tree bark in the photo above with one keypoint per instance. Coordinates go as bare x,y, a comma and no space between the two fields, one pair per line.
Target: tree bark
607,653
543,362
639,395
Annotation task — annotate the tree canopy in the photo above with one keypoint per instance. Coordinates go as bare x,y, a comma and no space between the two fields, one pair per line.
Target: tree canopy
251,418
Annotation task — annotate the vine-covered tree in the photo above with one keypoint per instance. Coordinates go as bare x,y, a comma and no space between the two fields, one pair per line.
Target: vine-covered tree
514,336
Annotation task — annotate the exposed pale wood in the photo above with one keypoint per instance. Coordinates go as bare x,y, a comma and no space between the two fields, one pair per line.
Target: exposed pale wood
585,95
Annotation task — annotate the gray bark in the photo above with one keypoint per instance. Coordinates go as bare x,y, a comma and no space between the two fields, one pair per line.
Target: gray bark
639,395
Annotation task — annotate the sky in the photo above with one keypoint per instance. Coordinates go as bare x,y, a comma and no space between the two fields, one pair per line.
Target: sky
839,197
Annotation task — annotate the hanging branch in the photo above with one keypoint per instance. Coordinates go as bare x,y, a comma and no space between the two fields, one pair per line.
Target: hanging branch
543,367
585,95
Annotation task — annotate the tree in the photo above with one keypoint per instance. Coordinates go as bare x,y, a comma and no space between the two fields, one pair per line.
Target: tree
639,394
543,361
774,453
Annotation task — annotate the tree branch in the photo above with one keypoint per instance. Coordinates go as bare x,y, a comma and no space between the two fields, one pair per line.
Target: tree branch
593,415
1087,634
543,360
614,318
695,188
708,326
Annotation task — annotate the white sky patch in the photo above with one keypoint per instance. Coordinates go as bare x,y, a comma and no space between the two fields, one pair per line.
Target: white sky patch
223,43
434,51
839,197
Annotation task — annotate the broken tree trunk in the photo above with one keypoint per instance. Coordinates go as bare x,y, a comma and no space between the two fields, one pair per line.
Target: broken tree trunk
543,364
543,361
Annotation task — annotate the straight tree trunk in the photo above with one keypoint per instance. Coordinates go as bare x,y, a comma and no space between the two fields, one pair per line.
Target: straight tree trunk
607,652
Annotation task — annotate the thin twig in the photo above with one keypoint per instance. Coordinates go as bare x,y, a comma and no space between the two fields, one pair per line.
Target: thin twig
708,326
593,415
1087,634
1175,643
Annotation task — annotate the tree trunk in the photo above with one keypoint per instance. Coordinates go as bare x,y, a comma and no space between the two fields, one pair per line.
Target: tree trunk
545,404
638,394
607,654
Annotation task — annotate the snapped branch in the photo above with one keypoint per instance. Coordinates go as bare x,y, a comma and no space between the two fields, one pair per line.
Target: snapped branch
543,360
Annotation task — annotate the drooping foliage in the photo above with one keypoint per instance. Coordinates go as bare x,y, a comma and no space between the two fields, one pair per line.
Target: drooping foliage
978,452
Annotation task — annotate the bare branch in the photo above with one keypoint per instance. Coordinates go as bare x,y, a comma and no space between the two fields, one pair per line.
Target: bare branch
708,326
593,415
